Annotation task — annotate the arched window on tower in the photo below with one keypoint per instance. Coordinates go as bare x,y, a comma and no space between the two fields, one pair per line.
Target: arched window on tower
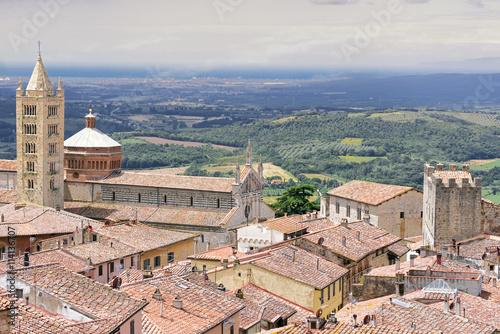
218,203
52,184
113,196
191,201
139,198
164,199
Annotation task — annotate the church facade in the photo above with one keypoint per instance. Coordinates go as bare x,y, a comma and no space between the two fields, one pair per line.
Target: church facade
83,175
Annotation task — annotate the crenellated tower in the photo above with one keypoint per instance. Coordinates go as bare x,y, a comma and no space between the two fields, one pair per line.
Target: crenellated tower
40,138
452,205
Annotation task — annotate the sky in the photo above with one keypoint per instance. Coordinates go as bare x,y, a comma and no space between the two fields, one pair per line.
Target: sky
303,34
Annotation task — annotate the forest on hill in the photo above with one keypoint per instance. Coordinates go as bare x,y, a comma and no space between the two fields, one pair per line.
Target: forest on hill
351,146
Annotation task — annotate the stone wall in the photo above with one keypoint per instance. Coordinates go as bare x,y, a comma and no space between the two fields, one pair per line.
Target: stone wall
490,217
374,286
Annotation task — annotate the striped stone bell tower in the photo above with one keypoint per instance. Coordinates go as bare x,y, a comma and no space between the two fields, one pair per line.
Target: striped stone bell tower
40,138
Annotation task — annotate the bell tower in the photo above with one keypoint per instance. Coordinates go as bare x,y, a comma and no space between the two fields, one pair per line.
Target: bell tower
40,138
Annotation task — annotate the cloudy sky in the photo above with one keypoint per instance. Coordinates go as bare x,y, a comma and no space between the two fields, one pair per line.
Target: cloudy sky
264,33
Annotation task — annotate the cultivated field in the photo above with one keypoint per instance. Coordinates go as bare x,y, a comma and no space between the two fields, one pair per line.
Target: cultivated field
358,159
162,141
352,141
319,176
269,170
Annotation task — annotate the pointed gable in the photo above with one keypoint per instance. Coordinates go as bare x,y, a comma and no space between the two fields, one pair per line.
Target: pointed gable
39,81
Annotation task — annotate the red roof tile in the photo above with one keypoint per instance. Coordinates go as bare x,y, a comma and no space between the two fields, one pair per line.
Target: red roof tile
218,254
369,192
8,165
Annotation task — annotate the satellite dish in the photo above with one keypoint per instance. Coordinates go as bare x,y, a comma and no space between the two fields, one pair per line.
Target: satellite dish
319,312
484,256
366,319
321,240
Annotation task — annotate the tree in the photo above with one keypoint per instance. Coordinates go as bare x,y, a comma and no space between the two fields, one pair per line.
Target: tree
295,200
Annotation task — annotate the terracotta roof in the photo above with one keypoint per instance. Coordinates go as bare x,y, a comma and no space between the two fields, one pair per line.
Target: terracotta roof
8,196
445,175
102,251
476,308
371,239
422,263
8,165
35,321
202,307
216,184
150,214
346,328
244,172
302,266
95,300
315,225
398,249
90,137
37,220
218,254
276,306
369,192
52,256
131,275
424,317
143,237
474,248
286,225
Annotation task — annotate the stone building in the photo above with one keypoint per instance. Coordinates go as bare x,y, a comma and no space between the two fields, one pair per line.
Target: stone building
40,135
452,205
84,174
396,209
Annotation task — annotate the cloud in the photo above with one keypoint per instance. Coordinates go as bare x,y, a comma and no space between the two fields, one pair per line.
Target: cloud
477,3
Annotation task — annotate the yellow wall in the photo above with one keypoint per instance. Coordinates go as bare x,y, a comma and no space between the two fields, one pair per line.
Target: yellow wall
224,329
285,287
211,264
181,251
332,304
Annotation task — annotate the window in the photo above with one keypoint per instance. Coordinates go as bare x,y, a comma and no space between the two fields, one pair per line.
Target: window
157,261
52,167
165,199
191,201
30,129
52,129
322,299
132,261
333,289
30,148
19,293
231,329
421,214
218,203
348,211
52,111
100,270
132,327
122,264
30,166
492,267
402,215
329,292
340,283
359,214
146,264
29,110
170,257
337,207
139,198
111,267
94,237
52,148
113,196
31,184
52,185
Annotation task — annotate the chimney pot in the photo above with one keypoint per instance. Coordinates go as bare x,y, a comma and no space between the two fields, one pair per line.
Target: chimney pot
177,302
446,304
458,306
438,258
344,241
358,235
423,251
398,264
412,260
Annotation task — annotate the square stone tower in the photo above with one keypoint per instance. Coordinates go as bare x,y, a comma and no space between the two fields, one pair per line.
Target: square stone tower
40,138
452,205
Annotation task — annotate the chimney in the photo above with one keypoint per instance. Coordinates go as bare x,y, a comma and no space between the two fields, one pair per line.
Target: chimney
423,251
438,258
494,282
446,305
373,320
177,302
458,307
26,259
412,260
398,264
358,235
354,318
343,222
224,263
58,207
453,167
344,241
